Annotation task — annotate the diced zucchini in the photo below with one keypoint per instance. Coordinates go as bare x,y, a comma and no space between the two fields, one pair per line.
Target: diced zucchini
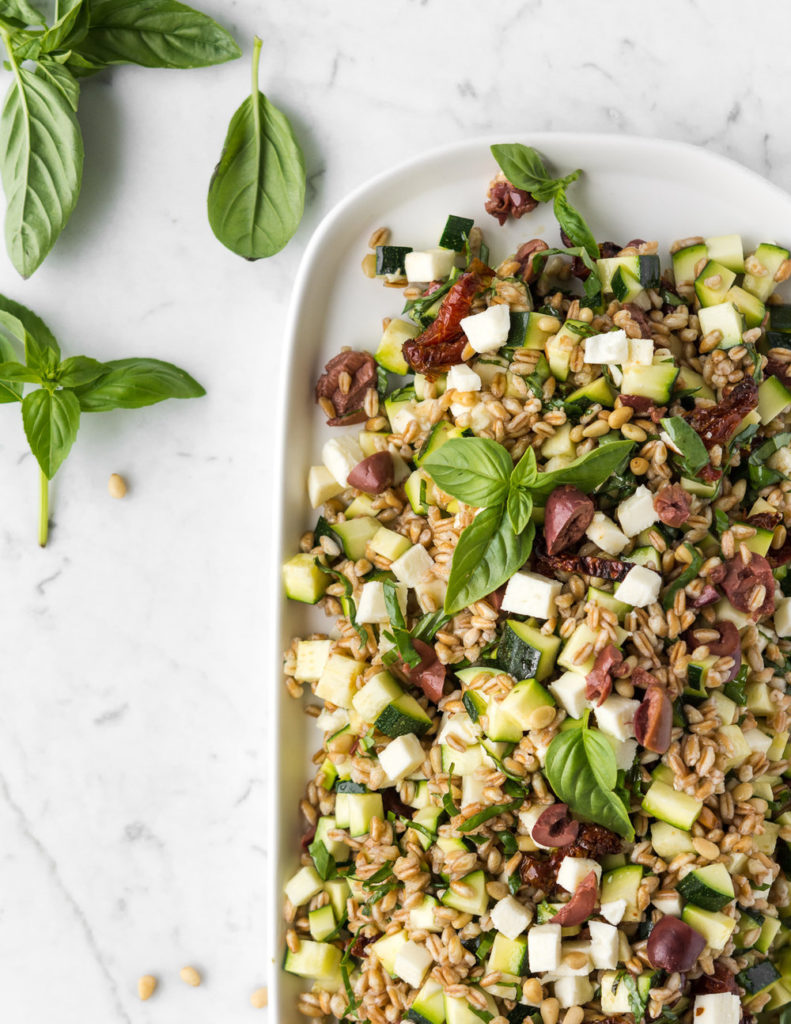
523,700
678,809
339,850
580,638
597,391
769,931
526,333
500,725
355,534
655,382
429,1004
727,709
725,318
560,443
669,841
646,555
462,762
727,250
702,488
713,282
477,902
715,927
780,317
686,260
387,949
767,840
773,399
738,747
456,232
313,960
709,887
769,257
389,544
508,956
560,346
321,922
697,674
389,354
609,601
459,1011
363,808
303,886
751,308
338,891
303,580
363,505
645,270
625,286
415,488
758,977
525,652
759,700
623,884
440,434
402,716
312,656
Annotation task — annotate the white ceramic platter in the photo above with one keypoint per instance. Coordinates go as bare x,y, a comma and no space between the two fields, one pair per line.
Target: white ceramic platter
632,187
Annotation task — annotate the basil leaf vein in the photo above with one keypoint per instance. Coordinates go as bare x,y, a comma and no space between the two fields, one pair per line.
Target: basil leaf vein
475,470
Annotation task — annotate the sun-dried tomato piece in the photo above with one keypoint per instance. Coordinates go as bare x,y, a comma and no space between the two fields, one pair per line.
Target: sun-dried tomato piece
644,406
581,905
590,565
715,425
765,520
441,345
348,405
598,682
504,200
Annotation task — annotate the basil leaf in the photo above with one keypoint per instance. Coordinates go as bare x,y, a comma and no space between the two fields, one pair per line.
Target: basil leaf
428,626
487,554
526,470
391,604
33,325
519,507
257,192
134,383
693,451
587,472
60,78
581,769
41,157
571,222
488,812
636,1003
9,391
322,859
51,420
70,28
522,165
475,470
154,34
79,370
23,12
13,372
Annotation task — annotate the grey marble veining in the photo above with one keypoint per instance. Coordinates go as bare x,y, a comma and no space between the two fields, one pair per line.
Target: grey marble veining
134,703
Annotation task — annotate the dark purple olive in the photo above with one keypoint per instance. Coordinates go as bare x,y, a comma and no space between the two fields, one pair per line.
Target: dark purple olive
653,720
567,516
555,827
674,946
374,474
581,905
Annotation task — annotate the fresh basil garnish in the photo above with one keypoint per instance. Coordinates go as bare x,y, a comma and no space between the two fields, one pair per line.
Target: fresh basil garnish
761,475
587,472
581,769
322,859
694,455
473,469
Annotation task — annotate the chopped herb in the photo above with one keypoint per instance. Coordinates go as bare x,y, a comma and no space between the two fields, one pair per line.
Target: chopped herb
382,383
736,688
636,1003
447,800
514,883
483,1014
486,814
417,827
429,625
348,600
509,843
323,859
382,875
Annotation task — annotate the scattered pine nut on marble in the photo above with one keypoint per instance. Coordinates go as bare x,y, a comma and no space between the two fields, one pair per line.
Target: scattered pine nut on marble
190,976
260,998
116,485
146,986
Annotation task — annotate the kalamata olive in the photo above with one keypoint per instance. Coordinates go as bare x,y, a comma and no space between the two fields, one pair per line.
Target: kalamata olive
555,827
374,474
653,720
674,946
429,675
739,581
598,682
567,516
581,905
672,505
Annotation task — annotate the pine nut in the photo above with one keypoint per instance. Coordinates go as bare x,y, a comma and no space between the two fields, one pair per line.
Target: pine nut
633,432
596,429
618,417
146,986
369,265
380,237
575,960
704,848
532,991
548,324
550,1011
541,717
116,486
639,466
260,998
190,976
574,1015
575,434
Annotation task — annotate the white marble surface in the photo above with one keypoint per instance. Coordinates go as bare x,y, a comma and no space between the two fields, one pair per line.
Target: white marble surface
132,695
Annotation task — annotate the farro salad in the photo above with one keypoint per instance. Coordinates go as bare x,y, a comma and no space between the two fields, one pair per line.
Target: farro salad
551,768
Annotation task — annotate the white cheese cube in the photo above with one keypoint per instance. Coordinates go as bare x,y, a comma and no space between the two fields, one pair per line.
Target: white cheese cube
528,593
430,593
781,460
624,751
758,741
637,512
604,945
461,727
573,870
401,468
606,535
573,992
340,455
569,692
641,351
401,414
616,716
371,607
332,721
640,587
783,617
429,264
312,656
717,1008
617,376
472,787
412,962
613,911
462,378
402,756
413,566
612,347
565,970
668,902
511,917
322,486
527,819
543,947
488,331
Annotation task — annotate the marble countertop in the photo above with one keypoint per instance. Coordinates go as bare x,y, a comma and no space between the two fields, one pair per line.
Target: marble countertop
134,703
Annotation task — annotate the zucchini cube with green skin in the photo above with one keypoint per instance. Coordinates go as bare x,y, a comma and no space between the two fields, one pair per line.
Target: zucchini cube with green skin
713,283
321,923
363,505
338,891
303,886
459,1011
679,809
669,841
708,887
759,700
363,808
456,232
725,318
500,725
355,534
714,926
773,399
387,949
560,346
625,286
525,652
623,884
737,746
423,916
312,656
317,960
337,849
303,580
751,307
338,681
412,962
388,354
390,544
375,695
727,250
644,268
509,956
769,931
440,434
768,259
560,443
531,330
476,902
686,260
526,697
608,601
404,715
655,381
597,391
428,1006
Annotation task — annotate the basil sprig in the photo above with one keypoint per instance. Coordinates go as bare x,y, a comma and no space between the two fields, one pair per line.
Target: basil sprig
693,451
41,149
761,475
257,192
497,543
523,167
30,354
582,771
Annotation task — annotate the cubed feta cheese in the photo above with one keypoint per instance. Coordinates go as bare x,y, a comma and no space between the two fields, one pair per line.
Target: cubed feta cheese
322,486
340,455
604,945
573,871
781,461
569,692
573,992
783,617
371,606
488,331
581,968
332,721
401,756
543,947
641,351
412,962
637,512
430,593
613,911
429,264
472,787
616,716
759,742
606,535
413,566
401,415
624,751
640,587
511,917
612,347
528,593
717,1008
668,902
462,378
